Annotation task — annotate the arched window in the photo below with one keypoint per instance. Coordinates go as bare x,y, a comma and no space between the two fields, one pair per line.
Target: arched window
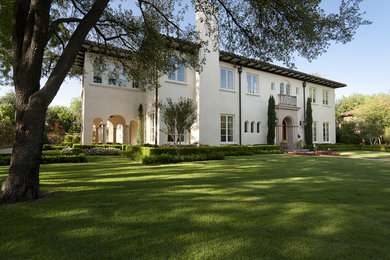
246,126
282,88
252,126
288,89
258,127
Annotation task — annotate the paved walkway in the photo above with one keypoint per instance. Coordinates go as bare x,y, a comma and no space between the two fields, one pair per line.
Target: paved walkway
6,151
360,158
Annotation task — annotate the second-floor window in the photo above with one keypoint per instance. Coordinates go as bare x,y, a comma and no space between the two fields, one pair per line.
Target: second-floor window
313,95
226,79
177,74
252,84
325,97
282,88
288,89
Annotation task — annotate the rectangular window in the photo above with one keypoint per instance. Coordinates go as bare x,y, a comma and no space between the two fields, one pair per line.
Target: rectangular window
226,79
178,73
97,73
112,74
252,84
272,85
297,91
227,123
313,95
325,132
122,78
151,127
325,97
314,129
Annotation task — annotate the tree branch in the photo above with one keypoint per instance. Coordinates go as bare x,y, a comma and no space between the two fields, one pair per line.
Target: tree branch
54,25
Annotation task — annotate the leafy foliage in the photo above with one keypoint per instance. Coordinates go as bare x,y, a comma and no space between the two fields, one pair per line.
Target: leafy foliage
7,133
178,117
309,124
271,121
348,104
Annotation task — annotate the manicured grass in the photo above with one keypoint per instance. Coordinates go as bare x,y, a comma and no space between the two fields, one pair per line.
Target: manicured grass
262,206
367,154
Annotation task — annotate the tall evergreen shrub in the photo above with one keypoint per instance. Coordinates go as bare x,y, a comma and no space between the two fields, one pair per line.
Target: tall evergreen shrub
140,127
309,124
271,121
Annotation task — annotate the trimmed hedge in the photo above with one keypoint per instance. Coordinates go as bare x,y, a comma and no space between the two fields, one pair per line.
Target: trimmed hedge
47,147
352,147
50,158
169,158
169,155
63,158
117,146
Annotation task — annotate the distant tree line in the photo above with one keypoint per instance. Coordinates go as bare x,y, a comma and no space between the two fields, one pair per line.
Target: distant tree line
363,119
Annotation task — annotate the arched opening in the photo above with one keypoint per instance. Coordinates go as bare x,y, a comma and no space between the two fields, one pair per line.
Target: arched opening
114,135
97,129
288,130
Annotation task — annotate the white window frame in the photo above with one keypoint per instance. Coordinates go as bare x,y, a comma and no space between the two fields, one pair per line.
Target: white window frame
272,85
325,132
229,74
325,97
281,88
97,73
173,73
288,89
314,131
225,127
252,83
313,95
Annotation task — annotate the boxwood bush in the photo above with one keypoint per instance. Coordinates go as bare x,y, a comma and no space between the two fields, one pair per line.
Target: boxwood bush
50,158
117,146
169,155
353,147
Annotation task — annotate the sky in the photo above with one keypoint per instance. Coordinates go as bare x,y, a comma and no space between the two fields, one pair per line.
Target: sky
363,64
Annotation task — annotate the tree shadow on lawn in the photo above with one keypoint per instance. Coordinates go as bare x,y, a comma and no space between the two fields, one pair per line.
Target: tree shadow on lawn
243,207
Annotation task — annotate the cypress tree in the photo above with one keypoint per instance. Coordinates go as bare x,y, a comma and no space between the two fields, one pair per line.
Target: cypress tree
309,124
271,121
140,127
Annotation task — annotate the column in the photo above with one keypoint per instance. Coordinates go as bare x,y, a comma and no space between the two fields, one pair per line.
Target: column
97,131
104,133
126,136
114,135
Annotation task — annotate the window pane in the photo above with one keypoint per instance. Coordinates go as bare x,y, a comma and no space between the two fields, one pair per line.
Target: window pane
230,138
249,83
258,127
230,79
180,72
112,81
97,79
288,89
223,78
255,89
172,71
282,88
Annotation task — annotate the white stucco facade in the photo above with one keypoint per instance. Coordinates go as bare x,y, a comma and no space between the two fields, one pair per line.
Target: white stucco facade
108,107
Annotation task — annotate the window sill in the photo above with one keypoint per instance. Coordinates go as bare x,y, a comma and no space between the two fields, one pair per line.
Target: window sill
113,87
227,90
326,105
252,94
176,82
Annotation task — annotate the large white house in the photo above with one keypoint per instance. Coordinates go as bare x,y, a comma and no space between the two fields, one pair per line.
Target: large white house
110,104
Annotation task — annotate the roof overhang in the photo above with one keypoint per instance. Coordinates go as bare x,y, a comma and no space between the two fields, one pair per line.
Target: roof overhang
274,69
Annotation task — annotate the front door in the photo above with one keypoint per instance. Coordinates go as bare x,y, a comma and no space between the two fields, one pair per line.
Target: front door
284,136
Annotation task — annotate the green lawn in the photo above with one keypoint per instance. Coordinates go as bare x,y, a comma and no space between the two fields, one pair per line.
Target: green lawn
263,206
366,154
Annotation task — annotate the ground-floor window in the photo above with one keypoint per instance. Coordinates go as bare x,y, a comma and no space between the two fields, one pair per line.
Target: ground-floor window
314,129
227,124
151,127
325,131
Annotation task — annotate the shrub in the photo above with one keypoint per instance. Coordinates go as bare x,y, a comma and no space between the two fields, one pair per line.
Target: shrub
7,133
52,147
117,146
5,159
351,147
169,158
46,159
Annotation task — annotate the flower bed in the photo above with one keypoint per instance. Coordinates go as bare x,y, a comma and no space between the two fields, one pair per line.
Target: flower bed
314,153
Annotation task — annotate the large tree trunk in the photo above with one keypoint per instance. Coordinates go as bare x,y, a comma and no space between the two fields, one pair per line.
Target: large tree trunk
31,31
23,179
